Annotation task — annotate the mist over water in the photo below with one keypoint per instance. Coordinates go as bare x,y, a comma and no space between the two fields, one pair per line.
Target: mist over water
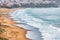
43,23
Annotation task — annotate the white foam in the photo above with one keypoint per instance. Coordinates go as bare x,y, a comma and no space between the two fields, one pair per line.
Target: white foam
48,31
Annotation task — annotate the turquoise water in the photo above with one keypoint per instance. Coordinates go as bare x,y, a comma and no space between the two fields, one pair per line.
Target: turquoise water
43,23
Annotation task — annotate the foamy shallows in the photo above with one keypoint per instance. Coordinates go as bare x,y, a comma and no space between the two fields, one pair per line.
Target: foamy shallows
43,23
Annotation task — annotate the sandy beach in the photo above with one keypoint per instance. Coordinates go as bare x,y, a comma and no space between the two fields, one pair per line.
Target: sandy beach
12,32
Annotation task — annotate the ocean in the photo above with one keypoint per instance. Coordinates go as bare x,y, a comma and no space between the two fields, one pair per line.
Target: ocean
43,23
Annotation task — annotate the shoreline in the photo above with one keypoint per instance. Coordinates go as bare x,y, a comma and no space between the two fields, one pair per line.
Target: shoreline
22,31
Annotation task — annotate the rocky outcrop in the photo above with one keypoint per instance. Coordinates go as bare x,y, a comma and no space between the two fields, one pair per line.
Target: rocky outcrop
18,3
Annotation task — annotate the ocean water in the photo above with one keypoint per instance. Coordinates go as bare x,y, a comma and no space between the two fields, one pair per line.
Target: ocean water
43,23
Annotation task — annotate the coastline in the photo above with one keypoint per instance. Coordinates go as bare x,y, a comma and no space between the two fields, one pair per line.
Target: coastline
22,32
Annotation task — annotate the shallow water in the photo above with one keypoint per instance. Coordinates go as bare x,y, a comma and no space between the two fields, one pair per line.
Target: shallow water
44,23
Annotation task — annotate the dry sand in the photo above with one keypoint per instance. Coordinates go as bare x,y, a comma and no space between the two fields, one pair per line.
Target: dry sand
12,32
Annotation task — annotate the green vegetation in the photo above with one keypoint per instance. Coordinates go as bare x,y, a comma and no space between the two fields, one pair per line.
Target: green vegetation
1,30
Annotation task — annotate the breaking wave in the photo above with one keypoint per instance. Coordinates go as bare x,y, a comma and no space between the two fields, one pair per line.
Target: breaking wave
44,23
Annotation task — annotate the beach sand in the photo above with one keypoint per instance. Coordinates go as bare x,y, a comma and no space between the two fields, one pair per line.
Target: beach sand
12,32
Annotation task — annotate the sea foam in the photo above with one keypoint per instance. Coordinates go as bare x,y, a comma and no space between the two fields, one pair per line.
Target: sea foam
44,23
